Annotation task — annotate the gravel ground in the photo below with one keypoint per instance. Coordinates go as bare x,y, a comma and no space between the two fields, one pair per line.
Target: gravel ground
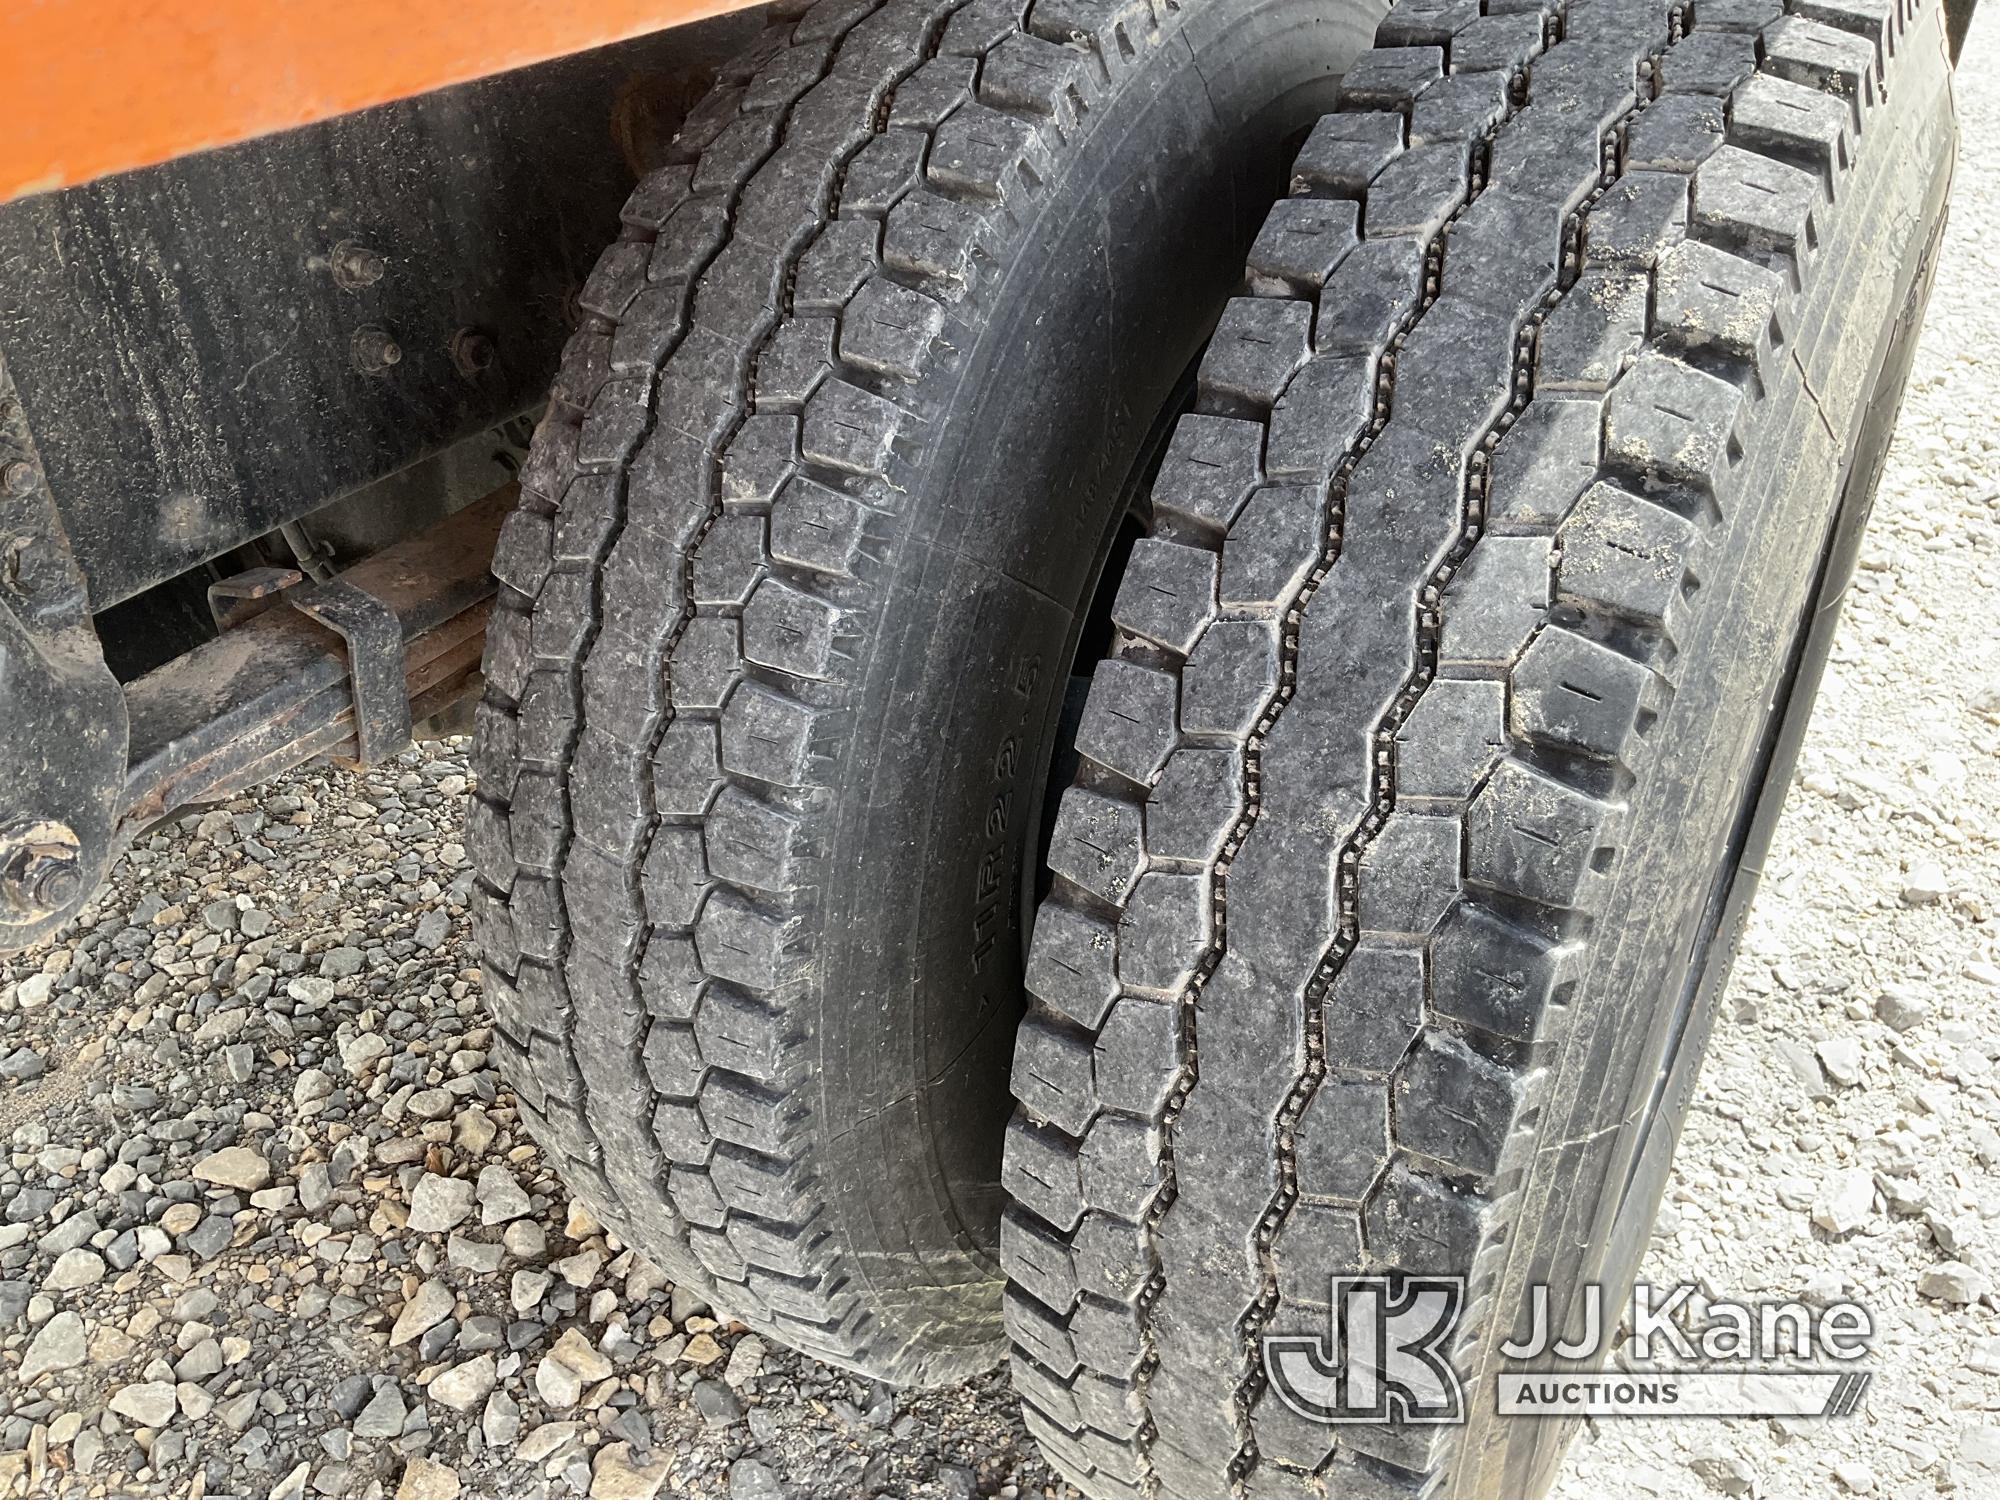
268,1226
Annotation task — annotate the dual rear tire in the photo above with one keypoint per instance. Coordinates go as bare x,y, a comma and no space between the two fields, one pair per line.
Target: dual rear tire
1439,713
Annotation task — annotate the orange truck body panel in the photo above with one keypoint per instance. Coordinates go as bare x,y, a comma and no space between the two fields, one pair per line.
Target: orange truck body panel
101,86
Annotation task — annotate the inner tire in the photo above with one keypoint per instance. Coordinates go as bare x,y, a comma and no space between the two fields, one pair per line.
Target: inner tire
787,611
1424,808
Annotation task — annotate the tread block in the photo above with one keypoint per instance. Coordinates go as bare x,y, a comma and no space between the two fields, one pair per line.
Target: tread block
1167,594
890,328
681,1135
1704,298
1424,23
981,150
1255,348
1274,545
1028,72
1344,152
1107,24
673,1060
927,96
927,234
707,661
548,718
1370,295
1757,204
728,560
1164,932
692,234
1039,1172
670,978
738,942
1750,16
695,1195
616,279
1872,20
1492,974
1821,57
675,877
1455,1106
1097,843
1343,1141
1128,720
1390,77
1042,1390
1579,695
1052,1075
1422,1226
1121,1171
1302,240
761,458
1111,1256
667,501
1111,1405
848,428
883,175
767,736
1671,424
687,768
1493,604
1708,62
1593,333
743,1035
791,631
649,329
1038,1259
1676,134
750,843
1321,415
1417,192
1137,1054
1497,43
817,528
624,687
1639,217
1777,117
798,357
1374,1007
1230,678
1196,802
1207,472
1072,964
618,417
1532,836
656,196
836,263
1451,738
522,556
1315,1243
1459,107
741,1112
1548,457
1624,555
1409,873
1282,1434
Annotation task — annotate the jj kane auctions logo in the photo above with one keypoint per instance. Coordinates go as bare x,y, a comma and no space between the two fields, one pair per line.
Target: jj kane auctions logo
1385,1357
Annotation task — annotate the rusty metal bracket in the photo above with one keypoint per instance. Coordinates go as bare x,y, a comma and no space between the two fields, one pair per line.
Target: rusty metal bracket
231,601
375,662
277,690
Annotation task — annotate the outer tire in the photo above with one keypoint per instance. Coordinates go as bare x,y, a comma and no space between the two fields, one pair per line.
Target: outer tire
787,608
1423,843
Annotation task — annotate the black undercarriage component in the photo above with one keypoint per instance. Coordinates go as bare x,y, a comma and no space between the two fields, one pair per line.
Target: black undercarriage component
213,347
